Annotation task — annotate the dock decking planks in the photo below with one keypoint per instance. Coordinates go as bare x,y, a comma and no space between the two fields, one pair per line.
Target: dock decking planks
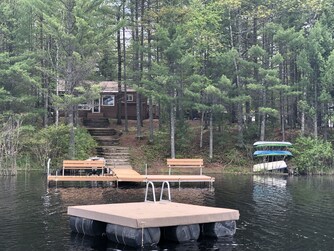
153,214
127,175
81,178
130,175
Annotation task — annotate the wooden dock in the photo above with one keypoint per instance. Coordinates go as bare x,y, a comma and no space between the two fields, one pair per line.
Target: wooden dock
153,214
130,175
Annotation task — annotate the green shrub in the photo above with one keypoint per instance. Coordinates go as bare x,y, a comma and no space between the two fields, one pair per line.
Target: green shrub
312,156
53,142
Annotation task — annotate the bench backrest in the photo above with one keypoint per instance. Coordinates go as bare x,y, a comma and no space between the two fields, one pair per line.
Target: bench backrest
83,163
185,162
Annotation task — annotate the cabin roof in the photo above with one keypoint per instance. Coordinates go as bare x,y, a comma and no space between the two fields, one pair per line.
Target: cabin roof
112,86
106,86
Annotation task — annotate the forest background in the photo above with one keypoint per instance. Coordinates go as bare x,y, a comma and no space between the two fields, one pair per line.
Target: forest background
247,69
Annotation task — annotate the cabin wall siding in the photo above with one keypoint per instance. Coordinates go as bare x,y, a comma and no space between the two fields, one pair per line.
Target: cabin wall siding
110,111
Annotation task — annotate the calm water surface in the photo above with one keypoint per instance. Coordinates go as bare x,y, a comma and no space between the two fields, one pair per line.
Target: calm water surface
276,213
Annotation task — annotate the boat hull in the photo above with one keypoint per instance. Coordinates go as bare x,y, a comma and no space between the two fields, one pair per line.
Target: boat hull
269,166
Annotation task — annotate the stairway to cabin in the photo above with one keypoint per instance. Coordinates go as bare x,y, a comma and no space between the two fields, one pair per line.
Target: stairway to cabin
108,141
117,157
96,122
105,136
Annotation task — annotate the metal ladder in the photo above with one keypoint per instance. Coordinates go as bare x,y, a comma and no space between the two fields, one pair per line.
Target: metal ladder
150,183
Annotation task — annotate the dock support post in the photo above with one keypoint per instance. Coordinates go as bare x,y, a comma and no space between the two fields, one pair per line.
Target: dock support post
48,167
211,185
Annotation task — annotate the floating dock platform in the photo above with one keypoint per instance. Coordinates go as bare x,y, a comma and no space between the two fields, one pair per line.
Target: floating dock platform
153,214
145,223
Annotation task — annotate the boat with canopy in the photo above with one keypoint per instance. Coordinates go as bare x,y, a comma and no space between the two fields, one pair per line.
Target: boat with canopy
273,155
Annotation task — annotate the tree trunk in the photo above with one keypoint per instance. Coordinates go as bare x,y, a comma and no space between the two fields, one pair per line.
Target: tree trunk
282,111
263,127
151,137
119,74
136,67
69,78
316,111
211,137
138,116
149,66
172,129
315,122
57,82
303,123
43,75
141,54
238,80
72,136
240,124
126,128
9,144
263,117
202,130
303,117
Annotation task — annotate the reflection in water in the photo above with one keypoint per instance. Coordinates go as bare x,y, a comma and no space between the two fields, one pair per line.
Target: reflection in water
275,181
82,242
276,213
88,196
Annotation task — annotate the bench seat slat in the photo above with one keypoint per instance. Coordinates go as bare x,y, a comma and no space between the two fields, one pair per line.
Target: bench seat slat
84,167
185,163
83,164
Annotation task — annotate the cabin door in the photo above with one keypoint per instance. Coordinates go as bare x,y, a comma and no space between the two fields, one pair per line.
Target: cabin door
96,106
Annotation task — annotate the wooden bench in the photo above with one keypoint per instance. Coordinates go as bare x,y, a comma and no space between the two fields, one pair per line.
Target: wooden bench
83,165
184,163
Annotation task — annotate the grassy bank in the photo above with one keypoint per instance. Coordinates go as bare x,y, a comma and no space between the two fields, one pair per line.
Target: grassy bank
311,156
226,157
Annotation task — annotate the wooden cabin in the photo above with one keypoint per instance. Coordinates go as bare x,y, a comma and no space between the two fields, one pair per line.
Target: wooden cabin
107,104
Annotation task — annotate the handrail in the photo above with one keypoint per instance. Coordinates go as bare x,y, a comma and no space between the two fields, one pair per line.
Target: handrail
168,190
153,190
150,183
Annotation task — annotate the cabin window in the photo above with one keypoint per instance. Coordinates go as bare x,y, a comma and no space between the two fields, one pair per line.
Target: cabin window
84,106
108,100
129,97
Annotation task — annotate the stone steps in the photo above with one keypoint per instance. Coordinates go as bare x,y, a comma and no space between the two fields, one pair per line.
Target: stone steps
96,122
108,140
102,131
116,158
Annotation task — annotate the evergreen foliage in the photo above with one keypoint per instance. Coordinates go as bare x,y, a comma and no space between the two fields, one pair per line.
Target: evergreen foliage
264,66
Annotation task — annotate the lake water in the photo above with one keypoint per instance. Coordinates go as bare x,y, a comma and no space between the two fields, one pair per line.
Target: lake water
276,213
